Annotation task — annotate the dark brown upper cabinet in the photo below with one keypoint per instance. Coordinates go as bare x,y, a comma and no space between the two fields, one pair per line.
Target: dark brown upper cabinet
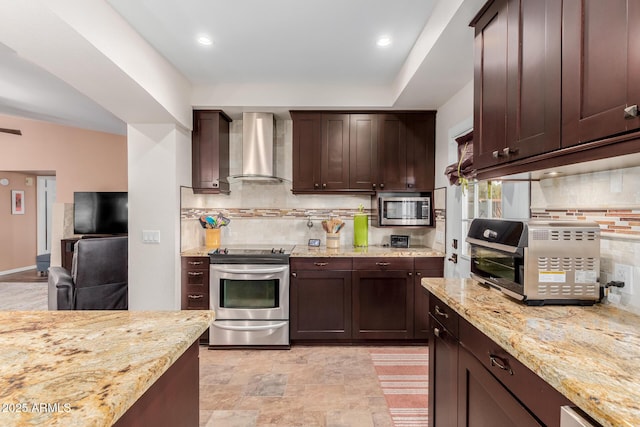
601,69
406,151
517,77
363,152
555,83
210,151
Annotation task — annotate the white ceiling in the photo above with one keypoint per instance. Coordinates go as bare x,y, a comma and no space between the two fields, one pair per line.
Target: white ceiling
298,48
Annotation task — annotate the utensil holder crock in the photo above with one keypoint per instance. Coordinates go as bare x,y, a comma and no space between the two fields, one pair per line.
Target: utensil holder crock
333,240
212,237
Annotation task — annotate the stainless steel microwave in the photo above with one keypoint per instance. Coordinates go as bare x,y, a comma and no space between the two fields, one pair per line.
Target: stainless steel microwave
403,209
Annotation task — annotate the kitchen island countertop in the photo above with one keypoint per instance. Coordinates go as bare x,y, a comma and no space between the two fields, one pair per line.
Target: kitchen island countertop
86,368
589,354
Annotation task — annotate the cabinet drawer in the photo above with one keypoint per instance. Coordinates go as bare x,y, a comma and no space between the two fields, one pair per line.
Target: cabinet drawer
433,265
321,263
195,263
443,314
195,278
541,398
196,301
399,263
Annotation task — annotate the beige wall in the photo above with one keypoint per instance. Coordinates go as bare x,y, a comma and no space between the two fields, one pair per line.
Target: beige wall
20,230
82,160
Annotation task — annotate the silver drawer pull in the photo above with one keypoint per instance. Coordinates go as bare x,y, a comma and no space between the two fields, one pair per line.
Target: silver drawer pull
195,296
320,264
441,313
195,262
631,112
195,273
383,264
436,332
500,363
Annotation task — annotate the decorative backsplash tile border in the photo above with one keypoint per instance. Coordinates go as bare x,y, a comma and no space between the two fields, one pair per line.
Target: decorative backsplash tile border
258,213
613,221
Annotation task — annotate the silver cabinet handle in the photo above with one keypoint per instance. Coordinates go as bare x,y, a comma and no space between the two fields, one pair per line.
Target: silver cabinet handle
294,274
418,273
320,264
382,264
195,296
195,262
410,274
631,112
500,363
195,273
436,332
441,313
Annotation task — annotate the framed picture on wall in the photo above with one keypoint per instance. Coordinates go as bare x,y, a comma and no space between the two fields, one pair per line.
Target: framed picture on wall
17,202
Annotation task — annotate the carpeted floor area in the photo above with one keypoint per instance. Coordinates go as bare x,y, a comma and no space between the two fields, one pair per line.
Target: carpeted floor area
403,375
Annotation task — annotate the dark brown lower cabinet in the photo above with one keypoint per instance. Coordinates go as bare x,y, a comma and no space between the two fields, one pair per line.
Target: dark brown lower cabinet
473,382
443,376
173,400
382,304
341,299
424,267
484,401
320,305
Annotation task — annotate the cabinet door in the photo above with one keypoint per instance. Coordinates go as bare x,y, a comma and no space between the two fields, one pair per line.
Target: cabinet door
424,267
601,67
210,151
320,305
363,151
443,377
392,149
490,86
419,136
382,304
335,152
306,151
534,77
484,401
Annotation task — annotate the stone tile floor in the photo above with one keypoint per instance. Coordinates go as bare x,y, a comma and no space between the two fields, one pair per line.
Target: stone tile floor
329,386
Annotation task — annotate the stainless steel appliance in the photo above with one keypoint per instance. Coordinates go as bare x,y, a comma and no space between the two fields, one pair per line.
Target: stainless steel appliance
250,296
537,262
402,209
574,417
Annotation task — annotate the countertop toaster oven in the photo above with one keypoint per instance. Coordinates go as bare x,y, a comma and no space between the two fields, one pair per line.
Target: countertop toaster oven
537,262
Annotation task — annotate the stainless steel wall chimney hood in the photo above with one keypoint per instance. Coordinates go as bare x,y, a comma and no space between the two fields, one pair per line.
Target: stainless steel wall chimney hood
258,156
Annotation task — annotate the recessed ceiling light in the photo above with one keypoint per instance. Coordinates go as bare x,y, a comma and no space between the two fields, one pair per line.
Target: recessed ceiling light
205,40
383,41
552,173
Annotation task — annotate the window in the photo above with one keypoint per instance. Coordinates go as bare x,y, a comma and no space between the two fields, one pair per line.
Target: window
481,199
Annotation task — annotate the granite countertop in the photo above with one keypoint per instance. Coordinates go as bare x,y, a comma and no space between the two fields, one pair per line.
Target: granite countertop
589,354
343,251
369,251
86,368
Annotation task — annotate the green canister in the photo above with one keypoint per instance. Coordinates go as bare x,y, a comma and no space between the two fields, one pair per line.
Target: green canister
361,228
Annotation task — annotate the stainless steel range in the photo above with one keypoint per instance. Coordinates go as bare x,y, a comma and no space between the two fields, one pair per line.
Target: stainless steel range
250,296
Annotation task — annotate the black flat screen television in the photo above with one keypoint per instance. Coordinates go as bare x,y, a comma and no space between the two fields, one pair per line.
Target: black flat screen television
104,212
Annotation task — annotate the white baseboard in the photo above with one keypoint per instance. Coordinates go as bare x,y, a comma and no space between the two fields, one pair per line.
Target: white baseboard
18,270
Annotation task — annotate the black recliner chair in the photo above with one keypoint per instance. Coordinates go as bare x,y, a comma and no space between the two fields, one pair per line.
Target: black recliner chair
98,279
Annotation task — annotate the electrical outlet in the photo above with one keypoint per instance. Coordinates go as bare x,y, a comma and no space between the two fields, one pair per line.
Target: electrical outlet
624,273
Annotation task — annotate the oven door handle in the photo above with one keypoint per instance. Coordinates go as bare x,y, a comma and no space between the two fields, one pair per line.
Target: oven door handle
272,270
251,328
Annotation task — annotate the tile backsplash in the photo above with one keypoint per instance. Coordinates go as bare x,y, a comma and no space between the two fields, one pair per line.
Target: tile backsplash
269,213
610,198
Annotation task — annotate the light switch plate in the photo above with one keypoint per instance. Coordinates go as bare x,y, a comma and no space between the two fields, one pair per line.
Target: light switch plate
150,236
